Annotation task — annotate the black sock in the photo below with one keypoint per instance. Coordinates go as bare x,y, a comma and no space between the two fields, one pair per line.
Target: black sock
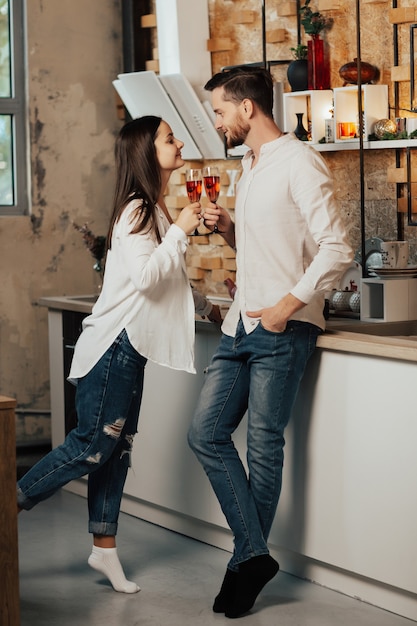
253,576
226,593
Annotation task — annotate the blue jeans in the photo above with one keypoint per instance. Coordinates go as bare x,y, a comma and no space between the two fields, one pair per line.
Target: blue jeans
108,401
260,373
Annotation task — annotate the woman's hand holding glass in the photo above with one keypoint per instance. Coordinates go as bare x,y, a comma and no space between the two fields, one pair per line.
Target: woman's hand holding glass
189,218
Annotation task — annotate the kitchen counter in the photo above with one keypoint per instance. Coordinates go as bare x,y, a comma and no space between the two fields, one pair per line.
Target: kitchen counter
84,304
348,512
395,340
79,304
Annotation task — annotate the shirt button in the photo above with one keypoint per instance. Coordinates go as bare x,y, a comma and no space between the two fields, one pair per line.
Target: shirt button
252,323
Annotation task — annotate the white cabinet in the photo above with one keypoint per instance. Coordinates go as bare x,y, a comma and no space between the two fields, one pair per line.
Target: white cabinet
316,107
374,107
388,300
348,497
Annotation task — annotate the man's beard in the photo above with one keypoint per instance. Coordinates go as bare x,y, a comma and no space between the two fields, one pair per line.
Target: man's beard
237,135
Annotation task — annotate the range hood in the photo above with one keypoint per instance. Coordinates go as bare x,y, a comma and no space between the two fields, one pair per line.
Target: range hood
172,97
176,94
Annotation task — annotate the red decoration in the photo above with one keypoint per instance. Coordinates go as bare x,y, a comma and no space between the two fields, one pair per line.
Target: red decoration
318,63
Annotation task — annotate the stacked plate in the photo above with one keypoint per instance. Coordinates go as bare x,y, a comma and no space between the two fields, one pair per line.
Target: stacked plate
389,272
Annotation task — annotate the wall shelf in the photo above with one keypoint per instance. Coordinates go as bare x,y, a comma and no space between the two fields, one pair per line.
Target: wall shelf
391,144
342,102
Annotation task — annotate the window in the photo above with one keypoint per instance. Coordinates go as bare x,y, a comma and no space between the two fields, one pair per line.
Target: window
13,119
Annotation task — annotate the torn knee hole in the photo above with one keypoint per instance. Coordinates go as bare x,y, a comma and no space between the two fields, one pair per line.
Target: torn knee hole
114,429
96,458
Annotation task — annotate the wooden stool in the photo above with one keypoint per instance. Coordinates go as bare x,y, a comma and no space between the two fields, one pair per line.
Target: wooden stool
9,563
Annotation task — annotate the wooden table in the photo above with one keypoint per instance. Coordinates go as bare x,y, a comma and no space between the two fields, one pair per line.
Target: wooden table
9,564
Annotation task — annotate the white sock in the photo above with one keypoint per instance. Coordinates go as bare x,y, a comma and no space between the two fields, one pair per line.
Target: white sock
106,561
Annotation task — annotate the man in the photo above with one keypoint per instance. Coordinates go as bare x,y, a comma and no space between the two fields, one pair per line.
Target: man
290,248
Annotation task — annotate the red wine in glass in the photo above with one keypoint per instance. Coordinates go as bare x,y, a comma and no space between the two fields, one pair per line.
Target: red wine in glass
194,185
194,189
212,187
211,177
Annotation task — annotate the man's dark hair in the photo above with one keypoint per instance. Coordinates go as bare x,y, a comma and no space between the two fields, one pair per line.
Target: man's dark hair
243,82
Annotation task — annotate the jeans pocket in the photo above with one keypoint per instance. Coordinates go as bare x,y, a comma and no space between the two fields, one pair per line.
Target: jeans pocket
128,349
272,332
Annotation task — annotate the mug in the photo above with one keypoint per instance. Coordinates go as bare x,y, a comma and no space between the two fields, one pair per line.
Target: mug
394,254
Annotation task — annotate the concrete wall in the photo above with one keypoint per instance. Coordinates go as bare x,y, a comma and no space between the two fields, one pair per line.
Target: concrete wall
73,53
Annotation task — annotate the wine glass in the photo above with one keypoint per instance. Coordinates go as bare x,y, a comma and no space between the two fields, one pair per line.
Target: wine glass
194,184
211,176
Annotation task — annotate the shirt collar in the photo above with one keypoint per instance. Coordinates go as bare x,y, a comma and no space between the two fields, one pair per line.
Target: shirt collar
265,149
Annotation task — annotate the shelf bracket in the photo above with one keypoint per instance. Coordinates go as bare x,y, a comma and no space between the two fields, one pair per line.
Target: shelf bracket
411,222
413,99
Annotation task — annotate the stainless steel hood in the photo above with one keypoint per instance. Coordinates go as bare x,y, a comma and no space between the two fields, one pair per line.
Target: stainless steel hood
172,97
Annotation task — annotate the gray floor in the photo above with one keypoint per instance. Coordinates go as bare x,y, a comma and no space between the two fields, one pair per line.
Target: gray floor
179,578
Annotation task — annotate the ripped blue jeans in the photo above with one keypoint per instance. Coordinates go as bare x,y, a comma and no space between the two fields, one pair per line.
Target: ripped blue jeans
108,401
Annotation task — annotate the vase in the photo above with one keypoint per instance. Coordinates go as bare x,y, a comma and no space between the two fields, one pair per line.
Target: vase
318,63
300,131
349,72
297,74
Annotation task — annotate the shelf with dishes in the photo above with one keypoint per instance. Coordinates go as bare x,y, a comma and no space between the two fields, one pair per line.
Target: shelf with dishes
389,273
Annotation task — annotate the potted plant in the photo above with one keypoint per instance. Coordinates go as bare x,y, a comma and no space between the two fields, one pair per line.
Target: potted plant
315,23
297,72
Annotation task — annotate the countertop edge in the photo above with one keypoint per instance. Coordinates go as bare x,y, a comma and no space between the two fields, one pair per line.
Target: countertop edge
337,339
371,345
65,303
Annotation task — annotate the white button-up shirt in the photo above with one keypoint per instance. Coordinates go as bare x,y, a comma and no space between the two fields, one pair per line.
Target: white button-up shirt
288,232
146,291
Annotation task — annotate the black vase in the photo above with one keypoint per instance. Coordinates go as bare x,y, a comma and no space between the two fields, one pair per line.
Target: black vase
297,74
300,131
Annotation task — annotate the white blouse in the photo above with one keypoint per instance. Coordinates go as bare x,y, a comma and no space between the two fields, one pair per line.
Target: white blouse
145,291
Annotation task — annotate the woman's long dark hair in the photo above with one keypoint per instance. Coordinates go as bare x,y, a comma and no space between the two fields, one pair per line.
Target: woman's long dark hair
138,173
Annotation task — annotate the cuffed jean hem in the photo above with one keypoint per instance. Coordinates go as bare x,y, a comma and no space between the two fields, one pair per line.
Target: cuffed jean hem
23,502
103,528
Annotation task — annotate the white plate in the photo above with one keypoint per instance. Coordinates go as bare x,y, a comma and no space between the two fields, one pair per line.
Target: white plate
394,276
395,270
387,272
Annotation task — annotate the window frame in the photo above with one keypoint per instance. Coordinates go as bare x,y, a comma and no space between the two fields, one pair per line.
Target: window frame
16,107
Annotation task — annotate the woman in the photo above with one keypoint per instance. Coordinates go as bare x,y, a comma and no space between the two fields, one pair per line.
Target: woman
145,311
